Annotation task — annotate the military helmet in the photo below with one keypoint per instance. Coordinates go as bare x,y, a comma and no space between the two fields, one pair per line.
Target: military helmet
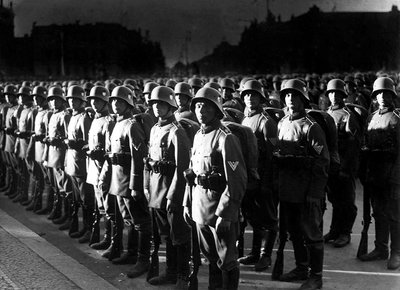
39,91
213,85
195,82
56,91
227,83
123,93
208,94
26,84
131,82
24,91
171,83
336,85
383,84
118,82
243,81
72,83
110,86
294,85
276,78
349,80
87,87
99,92
183,89
148,87
76,92
163,94
253,86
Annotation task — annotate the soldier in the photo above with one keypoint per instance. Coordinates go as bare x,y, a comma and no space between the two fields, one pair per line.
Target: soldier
353,96
228,89
196,84
165,184
6,173
383,173
75,163
260,202
342,180
54,153
303,163
216,188
126,148
183,97
148,87
42,174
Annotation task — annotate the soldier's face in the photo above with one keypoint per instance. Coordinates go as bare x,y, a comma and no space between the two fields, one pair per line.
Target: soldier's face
38,100
55,103
161,109
252,100
293,102
181,100
74,103
146,98
205,112
97,104
226,93
384,99
334,97
119,106
10,99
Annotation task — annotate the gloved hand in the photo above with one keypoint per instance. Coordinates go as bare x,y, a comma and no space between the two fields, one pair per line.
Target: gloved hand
171,206
222,225
137,195
187,216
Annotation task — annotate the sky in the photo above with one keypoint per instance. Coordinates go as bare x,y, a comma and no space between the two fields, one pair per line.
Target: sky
205,23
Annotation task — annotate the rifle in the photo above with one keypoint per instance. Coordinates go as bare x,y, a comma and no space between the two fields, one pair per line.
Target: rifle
95,235
278,266
154,270
363,246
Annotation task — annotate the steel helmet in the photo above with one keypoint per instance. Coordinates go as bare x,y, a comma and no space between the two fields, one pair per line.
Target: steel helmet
110,86
213,85
76,92
123,93
336,85
163,94
118,82
349,79
24,91
208,94
131,82
383,84
39,91
294,85
72,83
227,83
99,92
87,87
10,90
183,89
195,82
56,91
26,84
243,81
253,86
171,83
148,87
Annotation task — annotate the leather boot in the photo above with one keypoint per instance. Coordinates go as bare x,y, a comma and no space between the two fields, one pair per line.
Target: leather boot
169,276
30,196
18,186
268,244
394,261
130,256
65,212
68,213
254,255
301,257
214,276
56,210
6,189
115,248
74,228
47,196
381,251
312,283
230,279
83,235
316,259
143,263
95,229
106,241
183,269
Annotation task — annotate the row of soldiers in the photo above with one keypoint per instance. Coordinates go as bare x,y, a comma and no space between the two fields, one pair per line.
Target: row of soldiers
194,163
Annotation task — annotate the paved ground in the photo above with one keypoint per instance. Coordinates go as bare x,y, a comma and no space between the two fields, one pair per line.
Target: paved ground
34,254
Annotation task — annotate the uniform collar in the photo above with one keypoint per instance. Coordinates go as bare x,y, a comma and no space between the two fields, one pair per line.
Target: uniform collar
101,114
80,110
183,109
163,122
385,110
336,107
213,125
297,115
251,113
124,116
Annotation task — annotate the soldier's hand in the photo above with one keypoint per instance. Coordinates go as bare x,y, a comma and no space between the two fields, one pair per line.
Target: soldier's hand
187,216
222,225
137,195
171,206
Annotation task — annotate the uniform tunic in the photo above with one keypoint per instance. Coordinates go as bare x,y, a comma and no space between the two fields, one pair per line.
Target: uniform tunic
26,123
40,128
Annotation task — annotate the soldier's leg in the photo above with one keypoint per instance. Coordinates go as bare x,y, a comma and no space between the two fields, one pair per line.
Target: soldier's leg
334,190
87,204
58,179
36,201
48,192
31,183
105,212
117,226
140,214
293,220
393,210
9,174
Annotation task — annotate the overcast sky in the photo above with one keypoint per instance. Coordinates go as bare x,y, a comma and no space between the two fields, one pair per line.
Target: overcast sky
207,21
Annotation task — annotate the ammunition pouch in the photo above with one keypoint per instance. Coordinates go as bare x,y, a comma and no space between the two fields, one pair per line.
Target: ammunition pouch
96,154
9,131
56,142
122,159
75,144
293,161
23,135
190,176
212,181
162,167
39,138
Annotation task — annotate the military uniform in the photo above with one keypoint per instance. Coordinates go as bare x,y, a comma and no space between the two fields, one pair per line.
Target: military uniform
7,169
219,187
342,182
184,112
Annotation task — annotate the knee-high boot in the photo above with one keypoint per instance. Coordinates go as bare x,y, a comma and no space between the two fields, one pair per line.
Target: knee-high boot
266,251
106,241
56,209
143,263
46,200
131,254
116,247
230,279
169,276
